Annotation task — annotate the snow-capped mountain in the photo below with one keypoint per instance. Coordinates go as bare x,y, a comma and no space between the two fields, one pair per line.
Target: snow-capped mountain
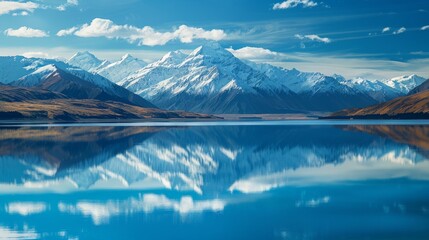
86,61
374,88
210,79
115,71
191,82
421,88
62,78
154,72
297,81
121,69
79,84
318,91
405,83
14,67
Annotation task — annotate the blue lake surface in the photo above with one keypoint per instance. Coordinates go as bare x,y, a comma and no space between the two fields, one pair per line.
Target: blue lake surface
215,180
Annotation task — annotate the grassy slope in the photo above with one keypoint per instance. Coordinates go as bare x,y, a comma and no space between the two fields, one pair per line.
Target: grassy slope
412,106
80,109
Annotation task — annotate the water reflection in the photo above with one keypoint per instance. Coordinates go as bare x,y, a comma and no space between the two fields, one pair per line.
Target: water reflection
207,160
102,211
103,173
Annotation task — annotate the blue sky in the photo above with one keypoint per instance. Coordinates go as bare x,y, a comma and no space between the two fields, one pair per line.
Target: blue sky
368,38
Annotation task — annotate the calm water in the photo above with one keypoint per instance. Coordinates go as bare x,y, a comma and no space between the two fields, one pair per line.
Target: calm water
249,180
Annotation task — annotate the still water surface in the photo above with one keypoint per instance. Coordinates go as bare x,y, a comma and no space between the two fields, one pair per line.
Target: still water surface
229,180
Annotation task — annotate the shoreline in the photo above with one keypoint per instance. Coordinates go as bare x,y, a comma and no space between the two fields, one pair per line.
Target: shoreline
219,122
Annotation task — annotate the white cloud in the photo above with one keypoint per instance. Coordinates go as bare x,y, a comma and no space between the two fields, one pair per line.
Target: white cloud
143,36
294,3
399,31
65,32
36,55
25,32
10,6
313,37
386,29
25,208
253,53
23,13
64,53
69,3
424,28
14,7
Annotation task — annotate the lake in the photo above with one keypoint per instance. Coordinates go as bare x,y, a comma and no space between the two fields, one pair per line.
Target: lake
305,179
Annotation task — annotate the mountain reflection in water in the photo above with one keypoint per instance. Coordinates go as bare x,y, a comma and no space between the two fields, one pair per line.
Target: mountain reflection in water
106,172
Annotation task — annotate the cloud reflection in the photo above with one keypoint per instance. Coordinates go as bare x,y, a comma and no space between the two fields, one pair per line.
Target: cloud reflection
101,213
25,208
8,233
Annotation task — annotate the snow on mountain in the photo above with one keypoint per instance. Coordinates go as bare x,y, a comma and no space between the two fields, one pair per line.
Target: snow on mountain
75,83
319,92
85,60
171,59
300,82
210,79
421,88
36,77
121,69
375,88
154,73
44,72
405,83
208,69
104,64
14,67
115,71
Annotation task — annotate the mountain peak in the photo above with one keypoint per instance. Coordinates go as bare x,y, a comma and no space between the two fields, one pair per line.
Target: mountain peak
405,83
37,76
174,54
85,60
85,54
127,57
121,69
174,57
211,49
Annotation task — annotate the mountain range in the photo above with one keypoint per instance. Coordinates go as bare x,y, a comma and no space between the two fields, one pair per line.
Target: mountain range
210,80
35,88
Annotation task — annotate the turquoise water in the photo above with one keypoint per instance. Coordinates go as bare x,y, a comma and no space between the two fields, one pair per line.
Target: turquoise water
215,180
